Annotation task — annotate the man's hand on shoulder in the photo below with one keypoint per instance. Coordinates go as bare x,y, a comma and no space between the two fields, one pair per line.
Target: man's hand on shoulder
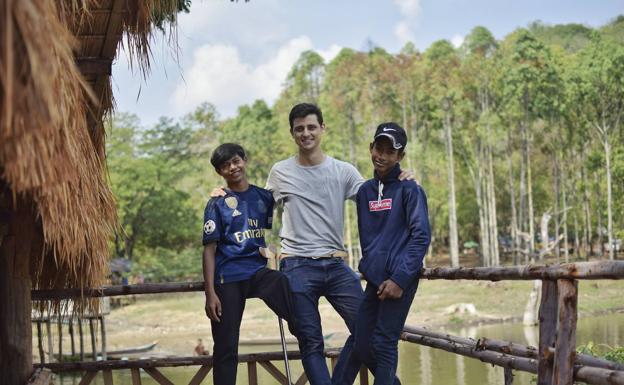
218,192
407,175
389,290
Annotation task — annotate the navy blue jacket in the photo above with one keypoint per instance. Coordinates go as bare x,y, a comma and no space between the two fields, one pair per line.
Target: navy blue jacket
393,221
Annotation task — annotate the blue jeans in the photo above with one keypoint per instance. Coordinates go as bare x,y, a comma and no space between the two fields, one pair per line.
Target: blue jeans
378,329
309,280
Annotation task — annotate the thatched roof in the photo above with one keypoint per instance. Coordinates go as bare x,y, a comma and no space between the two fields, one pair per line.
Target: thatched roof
55,67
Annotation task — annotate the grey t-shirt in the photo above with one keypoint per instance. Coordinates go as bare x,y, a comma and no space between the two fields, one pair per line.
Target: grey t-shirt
313,199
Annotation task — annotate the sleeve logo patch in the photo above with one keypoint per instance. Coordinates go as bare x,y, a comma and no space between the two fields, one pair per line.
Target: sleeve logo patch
209,227
384,204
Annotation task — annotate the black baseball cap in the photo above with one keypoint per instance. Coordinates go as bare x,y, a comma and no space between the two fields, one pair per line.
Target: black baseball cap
393,131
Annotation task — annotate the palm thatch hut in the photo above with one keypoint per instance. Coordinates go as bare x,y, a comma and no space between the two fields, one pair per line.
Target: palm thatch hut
57,212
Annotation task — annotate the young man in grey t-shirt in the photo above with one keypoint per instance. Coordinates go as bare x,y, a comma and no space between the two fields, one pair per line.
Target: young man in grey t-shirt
312,188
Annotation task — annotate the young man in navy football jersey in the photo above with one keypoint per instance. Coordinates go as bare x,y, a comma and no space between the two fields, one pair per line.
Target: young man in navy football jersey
234,268
394,232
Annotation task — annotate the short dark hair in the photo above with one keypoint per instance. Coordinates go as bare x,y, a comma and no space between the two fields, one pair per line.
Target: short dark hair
225,152
302,110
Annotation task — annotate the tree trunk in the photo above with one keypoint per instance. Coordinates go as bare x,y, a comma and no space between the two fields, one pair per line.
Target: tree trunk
530,200
557,193
566,254
452,209
512,200
531,310
587,232
607,149
493,228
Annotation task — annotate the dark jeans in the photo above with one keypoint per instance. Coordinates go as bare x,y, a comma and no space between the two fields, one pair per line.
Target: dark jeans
309,280
378,328
270,286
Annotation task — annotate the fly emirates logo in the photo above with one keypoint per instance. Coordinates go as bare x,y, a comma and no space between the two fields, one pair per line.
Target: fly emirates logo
252,232
384,204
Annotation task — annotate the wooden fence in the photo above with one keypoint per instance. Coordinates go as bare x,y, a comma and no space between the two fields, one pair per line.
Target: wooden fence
555,360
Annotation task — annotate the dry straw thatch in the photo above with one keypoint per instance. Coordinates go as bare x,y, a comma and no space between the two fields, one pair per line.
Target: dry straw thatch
51,131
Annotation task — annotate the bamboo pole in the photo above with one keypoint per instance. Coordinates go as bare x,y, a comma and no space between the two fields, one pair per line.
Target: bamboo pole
92,333
40,342
81,336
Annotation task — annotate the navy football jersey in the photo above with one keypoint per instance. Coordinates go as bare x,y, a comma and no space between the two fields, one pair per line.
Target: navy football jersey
237,222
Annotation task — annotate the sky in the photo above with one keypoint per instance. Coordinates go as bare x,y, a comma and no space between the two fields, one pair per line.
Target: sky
233,53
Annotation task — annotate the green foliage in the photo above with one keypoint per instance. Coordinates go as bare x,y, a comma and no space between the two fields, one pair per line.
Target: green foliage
538,93
611,353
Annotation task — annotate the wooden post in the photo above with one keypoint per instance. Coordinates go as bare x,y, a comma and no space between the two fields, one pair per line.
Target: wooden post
103,331
252,373
93,347
50,345
60,338
363,375
71,335
565,347
547,331
81,335
40,342
18,242
508,376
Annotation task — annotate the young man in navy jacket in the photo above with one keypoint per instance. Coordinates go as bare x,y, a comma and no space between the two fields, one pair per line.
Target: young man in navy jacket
395,235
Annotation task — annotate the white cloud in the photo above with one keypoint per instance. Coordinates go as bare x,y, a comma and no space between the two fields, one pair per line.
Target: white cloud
457,40
403,32
219,75
409,8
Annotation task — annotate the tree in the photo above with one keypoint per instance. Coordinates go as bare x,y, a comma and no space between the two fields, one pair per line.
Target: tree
599,78
443,63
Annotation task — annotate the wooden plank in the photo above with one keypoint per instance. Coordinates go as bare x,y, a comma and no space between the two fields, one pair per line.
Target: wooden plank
547,332
108,377
302,380
200,375
87,378
565,346
363,375
136,376
274,371
158,376
252,373
508,376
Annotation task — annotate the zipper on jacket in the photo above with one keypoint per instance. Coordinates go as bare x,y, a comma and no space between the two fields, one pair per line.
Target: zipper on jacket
380,192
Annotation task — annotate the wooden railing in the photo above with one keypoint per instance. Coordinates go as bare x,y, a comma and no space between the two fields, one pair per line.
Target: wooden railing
555,360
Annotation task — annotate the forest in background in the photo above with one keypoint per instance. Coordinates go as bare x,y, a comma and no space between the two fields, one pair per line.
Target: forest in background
518,143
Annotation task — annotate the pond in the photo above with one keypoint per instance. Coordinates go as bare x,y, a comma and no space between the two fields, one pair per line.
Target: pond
419,364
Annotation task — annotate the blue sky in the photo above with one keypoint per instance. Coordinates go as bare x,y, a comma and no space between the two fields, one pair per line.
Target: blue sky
232,53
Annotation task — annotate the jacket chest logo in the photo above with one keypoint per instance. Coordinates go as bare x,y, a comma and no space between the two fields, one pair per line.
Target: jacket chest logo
384,204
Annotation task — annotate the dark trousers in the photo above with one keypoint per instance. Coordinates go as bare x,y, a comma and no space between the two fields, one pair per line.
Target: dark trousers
377,330
270,286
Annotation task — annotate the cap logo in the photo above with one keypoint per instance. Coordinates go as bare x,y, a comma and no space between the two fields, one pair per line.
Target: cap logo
386,129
